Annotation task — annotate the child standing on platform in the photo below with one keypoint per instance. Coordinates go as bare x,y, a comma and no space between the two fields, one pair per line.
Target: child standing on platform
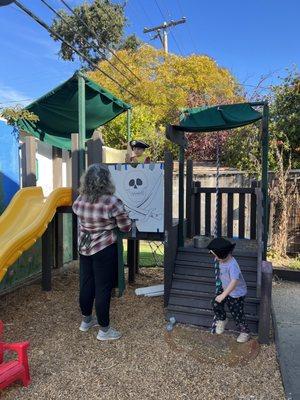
233,291
136,150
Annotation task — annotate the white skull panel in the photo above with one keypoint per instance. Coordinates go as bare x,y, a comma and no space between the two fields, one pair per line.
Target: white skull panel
136,184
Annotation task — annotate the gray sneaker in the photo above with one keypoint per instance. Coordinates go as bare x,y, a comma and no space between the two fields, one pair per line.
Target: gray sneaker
85,326
243,337
111,334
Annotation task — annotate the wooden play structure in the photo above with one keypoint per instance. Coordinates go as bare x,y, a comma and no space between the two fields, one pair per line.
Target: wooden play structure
31,215
189,281
189,272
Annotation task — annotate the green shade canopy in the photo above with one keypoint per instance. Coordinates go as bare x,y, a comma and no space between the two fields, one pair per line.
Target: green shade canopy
218,118
58,112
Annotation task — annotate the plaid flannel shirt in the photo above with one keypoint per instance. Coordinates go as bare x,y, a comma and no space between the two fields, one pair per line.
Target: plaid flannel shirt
97,221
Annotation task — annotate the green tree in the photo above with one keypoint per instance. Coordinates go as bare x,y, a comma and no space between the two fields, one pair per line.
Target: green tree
285,117
243,147
103,26
13,114
243,150
166,84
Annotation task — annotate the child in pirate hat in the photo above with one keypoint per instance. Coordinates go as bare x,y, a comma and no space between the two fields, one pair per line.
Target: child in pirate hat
137,149
234,289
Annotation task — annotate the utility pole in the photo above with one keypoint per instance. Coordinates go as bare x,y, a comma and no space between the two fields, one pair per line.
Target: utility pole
162,33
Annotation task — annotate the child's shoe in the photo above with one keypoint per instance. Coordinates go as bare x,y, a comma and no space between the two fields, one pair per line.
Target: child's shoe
111,334
85,326
220,326
243,337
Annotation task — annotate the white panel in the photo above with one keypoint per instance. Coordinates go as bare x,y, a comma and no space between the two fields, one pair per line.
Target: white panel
141,190
45,172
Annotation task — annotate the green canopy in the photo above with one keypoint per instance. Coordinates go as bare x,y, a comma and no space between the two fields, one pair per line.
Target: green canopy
218,118
58,112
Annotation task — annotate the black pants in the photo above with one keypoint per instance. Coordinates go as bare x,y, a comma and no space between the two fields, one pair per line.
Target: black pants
236,308
98,276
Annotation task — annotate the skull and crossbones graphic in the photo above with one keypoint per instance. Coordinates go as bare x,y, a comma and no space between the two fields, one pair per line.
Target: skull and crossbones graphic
139,199
135,184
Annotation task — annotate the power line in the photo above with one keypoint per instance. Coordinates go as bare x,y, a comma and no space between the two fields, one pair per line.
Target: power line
50,30
95,36
15,101
188,29
86,41
145,12
173,36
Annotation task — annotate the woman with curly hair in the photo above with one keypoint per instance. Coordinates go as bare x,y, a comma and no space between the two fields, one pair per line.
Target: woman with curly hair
99,212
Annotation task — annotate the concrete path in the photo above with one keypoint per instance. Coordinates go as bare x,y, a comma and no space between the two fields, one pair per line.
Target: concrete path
286,313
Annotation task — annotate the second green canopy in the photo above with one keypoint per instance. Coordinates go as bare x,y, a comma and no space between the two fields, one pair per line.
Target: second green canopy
218,118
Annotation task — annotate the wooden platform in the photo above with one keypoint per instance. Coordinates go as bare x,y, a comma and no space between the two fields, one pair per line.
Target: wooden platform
193,287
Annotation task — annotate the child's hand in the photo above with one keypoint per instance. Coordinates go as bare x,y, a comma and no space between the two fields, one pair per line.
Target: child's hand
220,298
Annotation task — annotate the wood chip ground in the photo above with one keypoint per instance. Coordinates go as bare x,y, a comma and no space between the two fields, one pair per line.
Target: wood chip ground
147,363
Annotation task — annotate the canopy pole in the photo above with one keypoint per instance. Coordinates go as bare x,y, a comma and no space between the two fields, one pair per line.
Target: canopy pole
128,125
181,198
82,122
264,178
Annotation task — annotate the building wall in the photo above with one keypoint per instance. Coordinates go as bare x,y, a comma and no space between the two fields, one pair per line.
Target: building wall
29,265
9,164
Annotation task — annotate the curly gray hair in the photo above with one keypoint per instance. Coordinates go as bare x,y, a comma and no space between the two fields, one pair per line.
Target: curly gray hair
96,182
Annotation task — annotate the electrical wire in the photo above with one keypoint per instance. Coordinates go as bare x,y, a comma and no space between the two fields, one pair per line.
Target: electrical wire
50,30
95,36
15,101
188,29
95,48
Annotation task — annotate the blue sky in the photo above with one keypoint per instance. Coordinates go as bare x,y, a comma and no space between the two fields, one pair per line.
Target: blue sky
250,38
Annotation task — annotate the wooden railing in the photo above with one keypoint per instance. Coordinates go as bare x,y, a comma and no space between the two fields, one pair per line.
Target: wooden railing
225,211
235,213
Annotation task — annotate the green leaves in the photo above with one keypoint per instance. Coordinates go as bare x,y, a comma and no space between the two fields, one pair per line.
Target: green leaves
102,17
13,114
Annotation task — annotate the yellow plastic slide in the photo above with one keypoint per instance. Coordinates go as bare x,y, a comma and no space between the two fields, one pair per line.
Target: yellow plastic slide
26,219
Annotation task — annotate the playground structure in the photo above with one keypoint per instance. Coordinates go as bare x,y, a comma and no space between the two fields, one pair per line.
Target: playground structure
30,215
188,271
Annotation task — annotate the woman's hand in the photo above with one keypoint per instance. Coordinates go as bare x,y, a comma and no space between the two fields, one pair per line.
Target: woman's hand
220,298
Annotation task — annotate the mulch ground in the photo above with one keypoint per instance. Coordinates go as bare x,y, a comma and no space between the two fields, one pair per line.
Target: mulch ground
147,363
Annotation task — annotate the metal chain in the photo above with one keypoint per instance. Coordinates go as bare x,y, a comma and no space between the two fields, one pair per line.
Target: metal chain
217,185
216,263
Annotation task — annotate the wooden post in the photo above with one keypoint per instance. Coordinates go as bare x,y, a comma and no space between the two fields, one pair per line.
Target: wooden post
197,210
94,148
190,201
68,159
58,220
137,256
181,198
132,259
253,212
265,303
28,150
47,258
259,238
230,215
265,168
75,185
170,242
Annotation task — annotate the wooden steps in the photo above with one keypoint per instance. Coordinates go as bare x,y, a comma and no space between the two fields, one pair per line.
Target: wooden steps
203,300
200,317
193,287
